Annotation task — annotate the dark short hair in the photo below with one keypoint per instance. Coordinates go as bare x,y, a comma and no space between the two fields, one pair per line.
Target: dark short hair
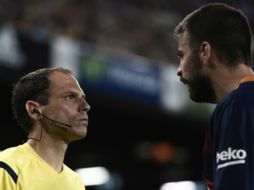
33,86
227,29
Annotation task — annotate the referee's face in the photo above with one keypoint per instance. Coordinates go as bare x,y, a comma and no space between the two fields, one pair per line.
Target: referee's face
67,108
190,72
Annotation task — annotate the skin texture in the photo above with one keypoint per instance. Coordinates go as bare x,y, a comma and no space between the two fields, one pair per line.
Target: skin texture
207,78
214,47
67,104
190,71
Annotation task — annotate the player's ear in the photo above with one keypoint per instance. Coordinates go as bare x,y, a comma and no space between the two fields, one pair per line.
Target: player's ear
205,52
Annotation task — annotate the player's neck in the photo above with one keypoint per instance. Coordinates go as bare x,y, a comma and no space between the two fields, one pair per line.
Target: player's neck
226,80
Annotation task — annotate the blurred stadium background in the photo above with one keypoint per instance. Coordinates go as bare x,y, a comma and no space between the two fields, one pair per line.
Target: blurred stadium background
144,132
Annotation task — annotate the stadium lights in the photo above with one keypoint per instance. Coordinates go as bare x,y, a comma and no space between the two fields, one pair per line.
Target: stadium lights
181,185
94,175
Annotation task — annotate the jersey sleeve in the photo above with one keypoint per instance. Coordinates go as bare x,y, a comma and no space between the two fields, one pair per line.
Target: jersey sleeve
233,146
8,177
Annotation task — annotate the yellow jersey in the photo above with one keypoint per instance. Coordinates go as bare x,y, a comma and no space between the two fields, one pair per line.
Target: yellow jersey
21,168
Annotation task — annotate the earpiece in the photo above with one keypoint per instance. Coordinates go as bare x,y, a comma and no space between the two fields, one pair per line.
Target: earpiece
57,123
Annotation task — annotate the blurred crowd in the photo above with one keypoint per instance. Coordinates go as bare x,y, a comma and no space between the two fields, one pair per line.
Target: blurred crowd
142,27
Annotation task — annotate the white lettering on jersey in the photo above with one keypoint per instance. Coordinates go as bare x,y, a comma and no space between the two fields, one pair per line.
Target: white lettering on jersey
230,157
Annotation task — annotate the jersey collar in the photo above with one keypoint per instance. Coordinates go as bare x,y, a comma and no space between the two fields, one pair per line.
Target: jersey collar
247,79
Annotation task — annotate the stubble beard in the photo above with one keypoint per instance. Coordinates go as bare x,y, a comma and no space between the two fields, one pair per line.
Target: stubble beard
200,86
200,89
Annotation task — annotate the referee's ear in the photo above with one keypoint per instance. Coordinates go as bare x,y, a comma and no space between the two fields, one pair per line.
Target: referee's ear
32,108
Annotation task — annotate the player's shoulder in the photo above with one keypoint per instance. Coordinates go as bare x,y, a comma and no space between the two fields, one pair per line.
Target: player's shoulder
234,102
238,97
